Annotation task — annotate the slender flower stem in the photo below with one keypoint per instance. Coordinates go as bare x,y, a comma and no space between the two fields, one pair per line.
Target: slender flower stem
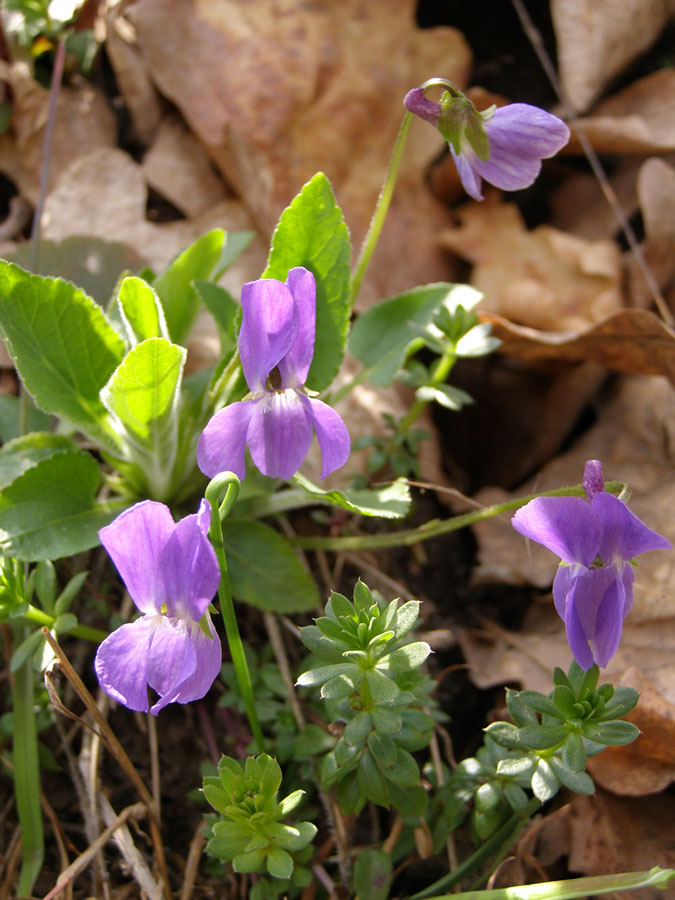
435,527
27,774
571,887
381,209
226,485
441,371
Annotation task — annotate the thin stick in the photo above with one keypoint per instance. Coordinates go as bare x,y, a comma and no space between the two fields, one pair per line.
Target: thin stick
192,863
137,811
154,767
535,38
274,634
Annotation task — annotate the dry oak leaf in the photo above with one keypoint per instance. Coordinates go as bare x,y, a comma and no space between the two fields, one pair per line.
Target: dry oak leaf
639,119
84,122
177,166
656,192
648,764
635,341
596,39
279,92
542,278
604,834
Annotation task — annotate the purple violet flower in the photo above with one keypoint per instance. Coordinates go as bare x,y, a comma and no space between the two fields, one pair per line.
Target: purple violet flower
171,573
519,136
276,346
596,541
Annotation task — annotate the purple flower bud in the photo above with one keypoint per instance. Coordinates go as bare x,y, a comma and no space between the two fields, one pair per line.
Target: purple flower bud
171,573
276,346
519,137
596,540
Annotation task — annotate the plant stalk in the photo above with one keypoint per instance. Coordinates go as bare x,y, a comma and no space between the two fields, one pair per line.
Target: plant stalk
226,485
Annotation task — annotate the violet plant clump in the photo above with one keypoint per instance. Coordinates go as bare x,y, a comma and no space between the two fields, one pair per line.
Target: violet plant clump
504,146
597,540
276,346
171,573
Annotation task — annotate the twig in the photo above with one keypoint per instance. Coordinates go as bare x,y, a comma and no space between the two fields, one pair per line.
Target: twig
274,634
192,863
137,811
535,39
154,767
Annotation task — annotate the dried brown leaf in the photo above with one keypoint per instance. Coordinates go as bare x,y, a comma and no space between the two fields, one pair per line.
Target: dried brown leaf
648,764
542,278
656,192
277,95
178,168
635,341
84,122
596,40
639,119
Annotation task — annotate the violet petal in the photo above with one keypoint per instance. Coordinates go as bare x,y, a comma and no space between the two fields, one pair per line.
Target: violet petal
268,328
577,639
623,534
471,180
294,366
134,541
332,434
520,136
172,659
279,434
608,623
594,480
566,525
222,444
122,659
561,588
209,656
419,105
189,567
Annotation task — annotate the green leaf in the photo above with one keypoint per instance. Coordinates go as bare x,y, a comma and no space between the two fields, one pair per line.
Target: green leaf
382,689
63,347
488,796
407,658
409,801
21,454
235,244
574,753
542,704
623,701
357,729
611,734
9,417
541,737
515,766
581,782
251,861
445,395
515,797
390,502
386,334
91,263
140,310
264,570
544,782
224,309
25,650
175,286
371,781
383,749
311,233
404,771
49,511
142,396
372,874
505,734
314,677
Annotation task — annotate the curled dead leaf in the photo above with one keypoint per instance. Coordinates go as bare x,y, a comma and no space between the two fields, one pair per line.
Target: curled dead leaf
656,192
596,40
635,341
639,119
542,278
